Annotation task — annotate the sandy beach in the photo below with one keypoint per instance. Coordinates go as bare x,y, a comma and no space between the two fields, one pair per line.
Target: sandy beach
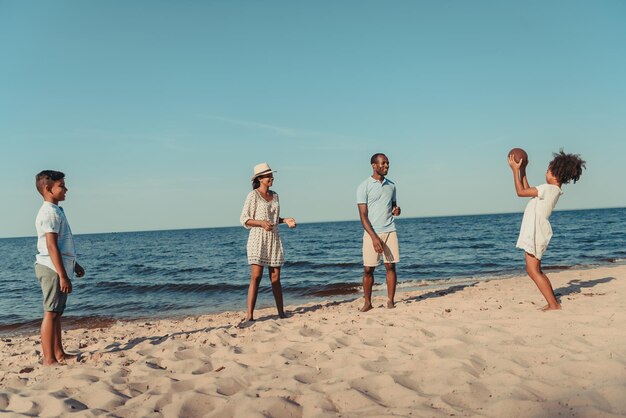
481,349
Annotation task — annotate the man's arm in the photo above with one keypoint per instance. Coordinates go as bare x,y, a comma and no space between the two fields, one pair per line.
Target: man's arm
79,270
55,255
395,209
378,243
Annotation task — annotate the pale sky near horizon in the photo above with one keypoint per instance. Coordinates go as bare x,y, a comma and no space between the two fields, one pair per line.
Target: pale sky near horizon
157,111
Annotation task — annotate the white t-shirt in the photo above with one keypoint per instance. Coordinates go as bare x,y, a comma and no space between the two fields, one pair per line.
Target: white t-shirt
51,218
535,232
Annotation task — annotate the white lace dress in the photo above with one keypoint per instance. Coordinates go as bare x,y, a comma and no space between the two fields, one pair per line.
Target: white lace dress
265,248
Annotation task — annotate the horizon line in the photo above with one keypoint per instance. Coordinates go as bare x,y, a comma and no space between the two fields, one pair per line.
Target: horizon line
313,222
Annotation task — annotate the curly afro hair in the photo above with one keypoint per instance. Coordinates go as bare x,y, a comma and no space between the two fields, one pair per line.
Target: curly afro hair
566,167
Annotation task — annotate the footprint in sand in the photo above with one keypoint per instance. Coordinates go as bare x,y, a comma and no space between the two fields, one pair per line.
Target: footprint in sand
308,378
4,400
105,398
195,405
374,342
229,386
186,366
292,354
408,383
22,405
207,367
427,333
376,366
138,388
310,332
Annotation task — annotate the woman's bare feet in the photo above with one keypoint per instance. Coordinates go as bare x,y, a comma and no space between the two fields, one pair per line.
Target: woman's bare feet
390,304
245,323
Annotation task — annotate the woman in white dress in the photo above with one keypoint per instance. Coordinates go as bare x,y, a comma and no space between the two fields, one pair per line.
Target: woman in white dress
261,215
535,232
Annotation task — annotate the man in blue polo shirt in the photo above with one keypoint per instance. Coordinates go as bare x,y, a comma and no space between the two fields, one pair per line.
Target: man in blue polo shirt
376,200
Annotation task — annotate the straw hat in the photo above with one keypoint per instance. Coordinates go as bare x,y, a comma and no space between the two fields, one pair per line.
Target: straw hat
261,169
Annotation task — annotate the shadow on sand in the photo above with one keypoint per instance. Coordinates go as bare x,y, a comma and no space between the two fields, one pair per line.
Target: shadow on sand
576,286
155,340
439,292
159,339
296,311
573,287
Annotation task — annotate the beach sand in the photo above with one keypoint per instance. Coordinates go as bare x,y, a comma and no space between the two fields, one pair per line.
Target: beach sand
482,349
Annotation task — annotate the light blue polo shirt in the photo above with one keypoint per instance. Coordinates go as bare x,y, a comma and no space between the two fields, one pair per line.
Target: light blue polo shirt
379,198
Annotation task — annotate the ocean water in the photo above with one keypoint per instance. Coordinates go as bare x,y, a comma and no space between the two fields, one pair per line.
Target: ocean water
188,272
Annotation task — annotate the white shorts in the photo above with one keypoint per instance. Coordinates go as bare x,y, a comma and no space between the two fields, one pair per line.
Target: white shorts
391,251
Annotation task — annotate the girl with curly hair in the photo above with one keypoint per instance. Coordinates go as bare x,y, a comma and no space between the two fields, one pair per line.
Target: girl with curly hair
535,232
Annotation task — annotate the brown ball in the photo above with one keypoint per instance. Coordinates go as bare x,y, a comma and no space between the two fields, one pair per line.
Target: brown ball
519,153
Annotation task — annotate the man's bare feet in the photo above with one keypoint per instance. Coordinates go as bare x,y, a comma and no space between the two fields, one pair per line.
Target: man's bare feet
551,308
366,307
282,315
390,305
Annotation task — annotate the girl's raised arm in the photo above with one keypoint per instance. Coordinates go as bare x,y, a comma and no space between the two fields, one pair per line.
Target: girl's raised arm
519,177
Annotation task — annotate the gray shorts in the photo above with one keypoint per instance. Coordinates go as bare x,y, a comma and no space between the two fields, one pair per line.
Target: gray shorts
53,299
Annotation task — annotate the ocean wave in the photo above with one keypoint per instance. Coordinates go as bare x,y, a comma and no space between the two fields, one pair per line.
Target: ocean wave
334,289
615,260
557,267
305,263
166,287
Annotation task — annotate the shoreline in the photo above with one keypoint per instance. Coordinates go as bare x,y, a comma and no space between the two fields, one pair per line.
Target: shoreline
475,350
31,328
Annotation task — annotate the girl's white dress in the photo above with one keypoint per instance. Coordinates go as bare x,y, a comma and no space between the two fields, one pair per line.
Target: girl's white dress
535,232
265,248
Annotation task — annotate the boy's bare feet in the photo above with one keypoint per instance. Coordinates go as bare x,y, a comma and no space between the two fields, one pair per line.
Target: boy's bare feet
551,308
366,307
52,362
390,305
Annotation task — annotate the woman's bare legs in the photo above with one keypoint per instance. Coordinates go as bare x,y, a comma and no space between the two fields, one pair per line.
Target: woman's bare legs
277,289
256,272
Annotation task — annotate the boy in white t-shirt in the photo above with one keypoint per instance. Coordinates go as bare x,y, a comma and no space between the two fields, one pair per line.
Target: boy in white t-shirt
535,232
56,262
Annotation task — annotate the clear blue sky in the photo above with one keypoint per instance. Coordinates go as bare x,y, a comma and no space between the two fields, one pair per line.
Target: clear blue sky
157,111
